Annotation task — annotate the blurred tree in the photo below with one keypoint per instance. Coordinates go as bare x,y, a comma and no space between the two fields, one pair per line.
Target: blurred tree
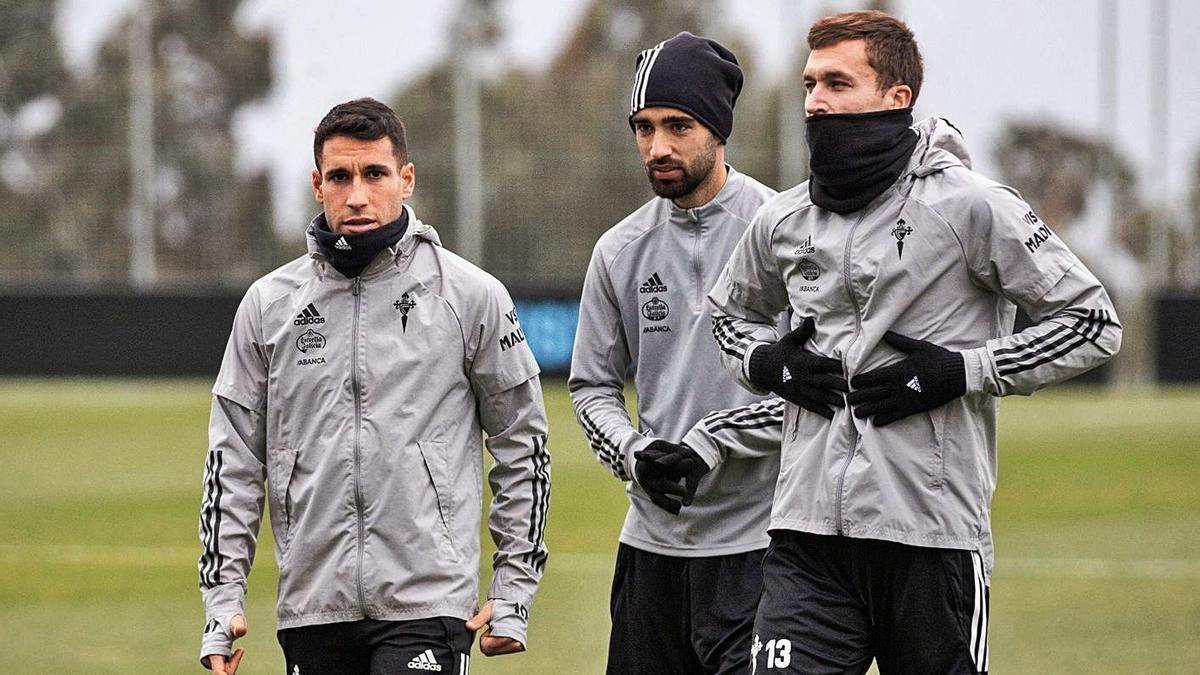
30,73
1055,170
210,220
560,164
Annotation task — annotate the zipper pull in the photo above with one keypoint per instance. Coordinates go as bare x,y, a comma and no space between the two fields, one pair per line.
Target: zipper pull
356,284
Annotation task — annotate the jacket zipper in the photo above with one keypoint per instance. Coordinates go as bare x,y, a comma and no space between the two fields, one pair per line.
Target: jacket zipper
697,269
841,486
358,500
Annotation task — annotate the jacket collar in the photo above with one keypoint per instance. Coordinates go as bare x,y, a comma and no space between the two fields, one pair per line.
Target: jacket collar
940,147
399,252
734,182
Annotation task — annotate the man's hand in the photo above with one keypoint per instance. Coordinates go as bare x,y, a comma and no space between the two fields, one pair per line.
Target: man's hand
660,467
930,377
810,381
489,645
219,664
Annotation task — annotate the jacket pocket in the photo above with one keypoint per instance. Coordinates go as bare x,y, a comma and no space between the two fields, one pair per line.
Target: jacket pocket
433,456
937,454
281,463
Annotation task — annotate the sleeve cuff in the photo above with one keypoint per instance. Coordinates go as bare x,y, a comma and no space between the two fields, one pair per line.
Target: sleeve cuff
978,370
698,439
510,620
634,443
217,639
746,370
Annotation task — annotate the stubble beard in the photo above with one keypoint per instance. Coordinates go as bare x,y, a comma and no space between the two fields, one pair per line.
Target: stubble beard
693,175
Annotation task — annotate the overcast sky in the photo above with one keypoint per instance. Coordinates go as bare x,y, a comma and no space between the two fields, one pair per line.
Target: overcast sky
987,61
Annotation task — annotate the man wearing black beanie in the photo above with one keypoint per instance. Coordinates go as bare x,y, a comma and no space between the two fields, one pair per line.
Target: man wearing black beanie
686,581
904,268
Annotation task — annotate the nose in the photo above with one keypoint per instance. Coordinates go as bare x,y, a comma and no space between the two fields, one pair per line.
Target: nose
815,102
660,146
357,198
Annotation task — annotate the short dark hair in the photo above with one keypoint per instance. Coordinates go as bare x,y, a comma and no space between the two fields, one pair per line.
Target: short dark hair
366,120
892,50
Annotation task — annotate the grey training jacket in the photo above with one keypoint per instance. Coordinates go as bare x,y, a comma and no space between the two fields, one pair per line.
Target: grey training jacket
362,404
945,255
644,304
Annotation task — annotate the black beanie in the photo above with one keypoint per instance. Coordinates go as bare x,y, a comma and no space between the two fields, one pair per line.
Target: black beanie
696,75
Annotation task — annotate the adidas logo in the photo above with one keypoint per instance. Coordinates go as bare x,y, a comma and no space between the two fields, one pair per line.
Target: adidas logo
806,247
786,376
310,315
341,244
653,285
914,384
425,661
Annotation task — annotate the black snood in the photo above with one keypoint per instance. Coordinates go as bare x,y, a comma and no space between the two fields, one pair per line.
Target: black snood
351,253
854,157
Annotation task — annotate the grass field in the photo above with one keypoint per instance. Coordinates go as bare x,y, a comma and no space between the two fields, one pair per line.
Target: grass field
1097,525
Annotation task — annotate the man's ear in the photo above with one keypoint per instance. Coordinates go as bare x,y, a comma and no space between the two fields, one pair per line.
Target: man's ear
899,96
408,180
316,184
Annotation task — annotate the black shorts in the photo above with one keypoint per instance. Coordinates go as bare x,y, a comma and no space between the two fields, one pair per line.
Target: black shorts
682,616
368,647
833,604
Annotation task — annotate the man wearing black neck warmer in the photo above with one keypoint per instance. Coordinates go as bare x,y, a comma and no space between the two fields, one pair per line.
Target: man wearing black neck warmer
903,269
357,387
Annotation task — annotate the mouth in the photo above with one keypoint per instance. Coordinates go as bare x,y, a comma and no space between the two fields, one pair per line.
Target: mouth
666,172
357,225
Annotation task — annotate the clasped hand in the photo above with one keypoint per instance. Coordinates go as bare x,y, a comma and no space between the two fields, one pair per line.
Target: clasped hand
929,377
661,467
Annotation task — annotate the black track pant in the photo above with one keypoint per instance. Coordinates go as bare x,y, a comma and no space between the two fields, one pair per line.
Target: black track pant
369,647
832,604
682,616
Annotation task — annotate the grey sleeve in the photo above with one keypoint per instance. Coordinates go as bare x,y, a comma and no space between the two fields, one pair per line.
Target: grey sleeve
747,299
234,476
745,432
230,515
515,423
504,375
1011,251
599,363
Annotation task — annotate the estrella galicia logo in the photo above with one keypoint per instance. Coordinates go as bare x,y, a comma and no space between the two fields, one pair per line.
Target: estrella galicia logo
655,309
806,247
809,270
405,305
310,339
900,231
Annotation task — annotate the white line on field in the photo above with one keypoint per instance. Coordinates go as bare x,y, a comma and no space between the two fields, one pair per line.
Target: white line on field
600,563
97,554
1097,568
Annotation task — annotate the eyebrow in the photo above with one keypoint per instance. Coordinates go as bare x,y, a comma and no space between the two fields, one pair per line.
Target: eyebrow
670,119
830,75
329,173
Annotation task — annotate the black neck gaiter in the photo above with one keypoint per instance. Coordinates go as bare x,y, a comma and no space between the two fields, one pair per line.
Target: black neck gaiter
854,157
351,253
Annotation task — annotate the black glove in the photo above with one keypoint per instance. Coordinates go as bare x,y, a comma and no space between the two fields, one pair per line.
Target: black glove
931,376
810,381
660,467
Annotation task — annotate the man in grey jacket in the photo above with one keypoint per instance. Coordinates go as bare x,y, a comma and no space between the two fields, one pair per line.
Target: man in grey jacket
903,269
685,585
357,383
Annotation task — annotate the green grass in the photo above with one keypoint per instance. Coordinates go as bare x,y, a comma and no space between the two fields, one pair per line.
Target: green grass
1097,523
